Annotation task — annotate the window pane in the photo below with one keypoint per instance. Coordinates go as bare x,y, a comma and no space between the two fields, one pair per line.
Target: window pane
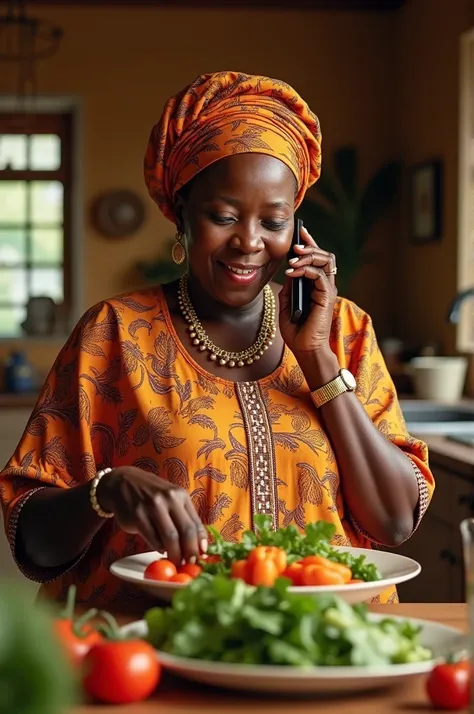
10,321
47,282
12,201
13,285
45,152
47,245
13,153
12,246
46,202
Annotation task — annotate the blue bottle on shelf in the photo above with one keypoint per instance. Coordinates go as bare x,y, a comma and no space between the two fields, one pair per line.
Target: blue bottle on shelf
18,374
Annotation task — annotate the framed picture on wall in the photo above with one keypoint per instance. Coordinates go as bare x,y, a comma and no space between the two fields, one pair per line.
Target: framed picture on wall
425,202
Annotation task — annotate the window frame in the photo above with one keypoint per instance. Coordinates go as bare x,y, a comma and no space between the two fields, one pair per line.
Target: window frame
465,250
70,109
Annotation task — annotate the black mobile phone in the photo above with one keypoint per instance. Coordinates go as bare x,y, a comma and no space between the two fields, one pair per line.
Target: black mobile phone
299,288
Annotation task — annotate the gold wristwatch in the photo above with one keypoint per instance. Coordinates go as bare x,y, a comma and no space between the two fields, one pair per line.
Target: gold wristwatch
344,382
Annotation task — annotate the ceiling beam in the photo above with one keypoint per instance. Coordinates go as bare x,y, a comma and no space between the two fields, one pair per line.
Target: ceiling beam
332,5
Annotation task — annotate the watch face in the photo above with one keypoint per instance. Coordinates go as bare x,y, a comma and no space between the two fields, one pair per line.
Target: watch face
349,379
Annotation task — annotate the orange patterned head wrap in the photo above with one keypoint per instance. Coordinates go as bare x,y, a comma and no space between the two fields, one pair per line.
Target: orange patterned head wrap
229,113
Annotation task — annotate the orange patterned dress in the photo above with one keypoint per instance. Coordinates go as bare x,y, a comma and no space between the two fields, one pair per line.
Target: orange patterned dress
124,390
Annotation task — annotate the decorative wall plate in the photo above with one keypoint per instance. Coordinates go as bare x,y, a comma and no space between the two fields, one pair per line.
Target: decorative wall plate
118,214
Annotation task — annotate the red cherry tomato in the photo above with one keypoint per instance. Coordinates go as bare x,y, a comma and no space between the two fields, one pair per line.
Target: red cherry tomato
160,570
449,685
191,569
181,578
75,645
121,671
75,634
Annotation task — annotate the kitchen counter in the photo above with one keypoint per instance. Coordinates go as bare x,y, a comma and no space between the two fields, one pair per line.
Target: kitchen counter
18,401
451,454
177,696
443,451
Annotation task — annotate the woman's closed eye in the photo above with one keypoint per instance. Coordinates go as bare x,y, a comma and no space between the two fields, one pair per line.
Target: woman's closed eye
274,225
225,219
222,220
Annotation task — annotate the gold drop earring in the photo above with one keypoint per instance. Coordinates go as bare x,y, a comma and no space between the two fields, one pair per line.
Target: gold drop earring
178,252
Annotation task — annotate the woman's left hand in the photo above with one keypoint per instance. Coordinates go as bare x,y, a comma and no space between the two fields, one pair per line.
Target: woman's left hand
319,267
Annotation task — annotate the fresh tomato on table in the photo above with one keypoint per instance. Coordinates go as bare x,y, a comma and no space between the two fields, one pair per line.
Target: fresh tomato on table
449,685
120,670
76,636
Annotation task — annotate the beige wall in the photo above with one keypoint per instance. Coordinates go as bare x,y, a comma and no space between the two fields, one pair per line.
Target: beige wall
426,116
125,64
387,82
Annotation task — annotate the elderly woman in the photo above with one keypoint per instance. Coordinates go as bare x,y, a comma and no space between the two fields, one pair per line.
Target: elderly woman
201,402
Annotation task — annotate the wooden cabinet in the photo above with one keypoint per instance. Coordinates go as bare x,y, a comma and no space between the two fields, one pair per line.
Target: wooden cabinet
437,545
431,547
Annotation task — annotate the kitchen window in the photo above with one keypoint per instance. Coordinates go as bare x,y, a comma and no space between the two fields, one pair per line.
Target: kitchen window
35,215
465,326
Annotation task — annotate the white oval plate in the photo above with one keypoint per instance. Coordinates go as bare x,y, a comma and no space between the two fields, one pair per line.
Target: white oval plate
442,640
393,568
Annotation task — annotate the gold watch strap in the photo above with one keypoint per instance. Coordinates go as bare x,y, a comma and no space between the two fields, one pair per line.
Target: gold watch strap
329,391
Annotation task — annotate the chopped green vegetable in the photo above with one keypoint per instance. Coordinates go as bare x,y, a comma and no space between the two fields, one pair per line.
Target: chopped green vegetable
35,677
219,619
314,541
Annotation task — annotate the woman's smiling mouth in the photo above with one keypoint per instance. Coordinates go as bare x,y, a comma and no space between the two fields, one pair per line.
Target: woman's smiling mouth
239,273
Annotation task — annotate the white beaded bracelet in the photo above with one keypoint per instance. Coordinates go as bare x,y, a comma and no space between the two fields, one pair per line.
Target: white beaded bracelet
93,494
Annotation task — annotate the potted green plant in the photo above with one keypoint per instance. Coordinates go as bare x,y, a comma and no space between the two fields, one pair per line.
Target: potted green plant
161,271
342,214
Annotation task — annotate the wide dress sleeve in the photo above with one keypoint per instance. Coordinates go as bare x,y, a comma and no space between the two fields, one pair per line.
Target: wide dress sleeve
58,448
354,341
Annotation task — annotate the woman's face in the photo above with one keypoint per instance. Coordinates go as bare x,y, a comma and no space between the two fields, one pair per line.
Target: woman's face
238,220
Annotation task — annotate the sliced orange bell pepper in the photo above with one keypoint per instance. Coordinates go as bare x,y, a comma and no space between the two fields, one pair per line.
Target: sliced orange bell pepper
269,552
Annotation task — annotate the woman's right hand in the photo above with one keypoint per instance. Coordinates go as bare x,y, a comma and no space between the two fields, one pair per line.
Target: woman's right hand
162,513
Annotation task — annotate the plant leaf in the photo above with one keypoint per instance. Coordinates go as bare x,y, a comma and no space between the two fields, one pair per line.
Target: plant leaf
322,224
328,188
379,194
346,165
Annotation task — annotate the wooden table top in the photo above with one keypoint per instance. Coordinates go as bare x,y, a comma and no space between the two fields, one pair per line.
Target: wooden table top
176,696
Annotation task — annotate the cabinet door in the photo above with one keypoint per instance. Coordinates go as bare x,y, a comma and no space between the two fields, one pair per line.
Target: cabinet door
443,501
431,546
457,495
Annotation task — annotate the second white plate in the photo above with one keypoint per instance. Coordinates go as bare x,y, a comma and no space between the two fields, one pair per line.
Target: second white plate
394,569
273,679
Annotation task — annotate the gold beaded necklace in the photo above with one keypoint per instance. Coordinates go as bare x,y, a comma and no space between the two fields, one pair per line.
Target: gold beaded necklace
223,357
